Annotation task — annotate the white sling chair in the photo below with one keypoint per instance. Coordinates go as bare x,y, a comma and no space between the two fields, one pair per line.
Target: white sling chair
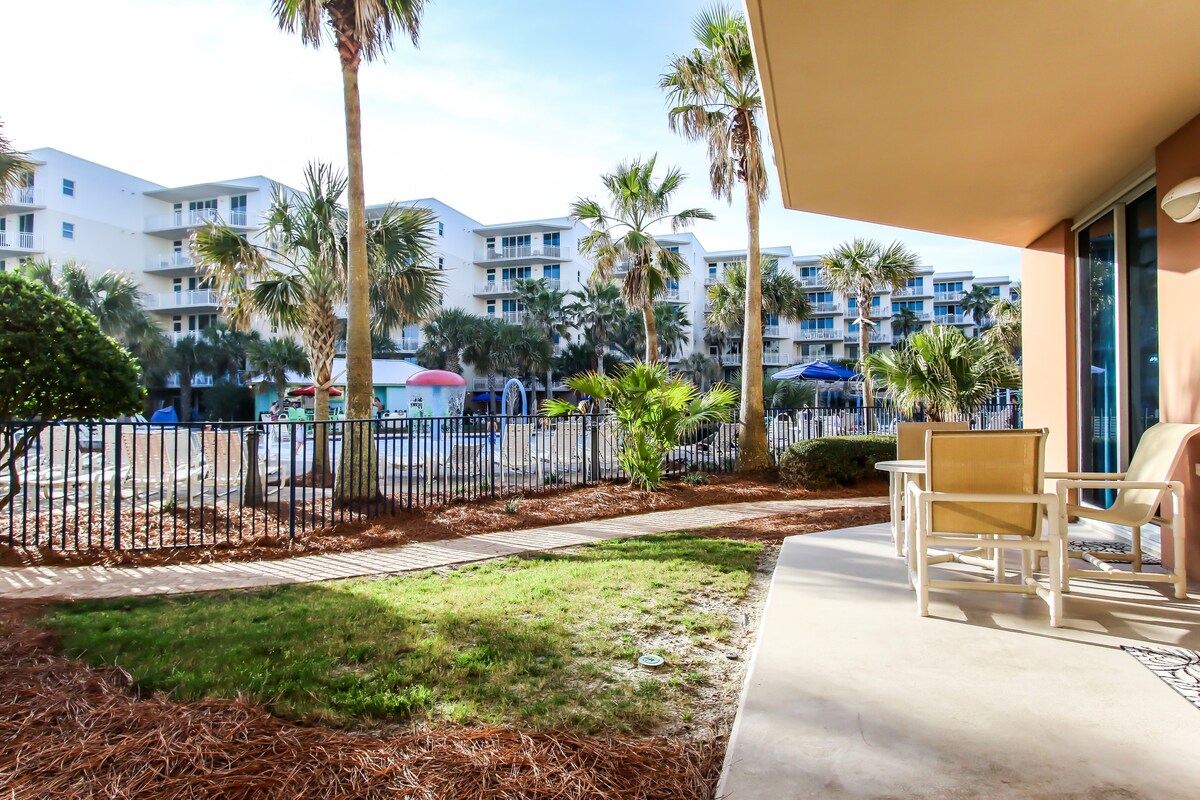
1142,492
984,491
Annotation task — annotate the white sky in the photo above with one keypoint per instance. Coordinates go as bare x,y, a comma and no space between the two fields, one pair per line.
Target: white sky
507,111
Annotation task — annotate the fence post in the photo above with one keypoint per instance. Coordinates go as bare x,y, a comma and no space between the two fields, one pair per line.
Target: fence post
594,448
252,482
491,438
118,452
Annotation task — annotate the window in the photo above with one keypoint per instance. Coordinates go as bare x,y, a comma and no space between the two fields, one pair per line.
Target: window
552,239
516,273
508,242
441,229
817,323
1,265
68,230
945,287
491,308
552,271
237,210
68,187
911,305
914,283
441,263
853,303
817,298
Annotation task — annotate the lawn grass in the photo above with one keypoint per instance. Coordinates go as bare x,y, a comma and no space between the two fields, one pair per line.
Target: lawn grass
548,642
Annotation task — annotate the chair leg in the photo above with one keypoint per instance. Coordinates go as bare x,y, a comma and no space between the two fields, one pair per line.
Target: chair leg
1137,548
998,574
1056,583
1178,540
1027,559
922,562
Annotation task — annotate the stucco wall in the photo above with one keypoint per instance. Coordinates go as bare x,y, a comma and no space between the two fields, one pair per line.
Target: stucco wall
1047,319
1176,159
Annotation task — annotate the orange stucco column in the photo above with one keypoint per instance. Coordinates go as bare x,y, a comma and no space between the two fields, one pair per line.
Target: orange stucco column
1176,159
1048,343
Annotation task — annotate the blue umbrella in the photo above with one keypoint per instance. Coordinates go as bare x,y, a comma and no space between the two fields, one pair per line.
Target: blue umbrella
815,371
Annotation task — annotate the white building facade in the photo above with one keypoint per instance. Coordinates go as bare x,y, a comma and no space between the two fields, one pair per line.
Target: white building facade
74,209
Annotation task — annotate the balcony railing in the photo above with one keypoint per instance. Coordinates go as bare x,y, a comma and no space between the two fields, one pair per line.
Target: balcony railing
549,251
20,240
911,291
674,296
874,337
193,217
773,330
514,317
771,358
199,380
731,359
813,280
948,297
23,196
169,261
953,319
819,334
408,344
880,311
510,286
169,300
179,336
826,308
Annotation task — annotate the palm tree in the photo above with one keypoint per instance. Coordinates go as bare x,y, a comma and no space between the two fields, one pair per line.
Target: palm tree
977,302
546,311
598,311
490,351
15,166
299,283
700,368
621,237
905,321
186,358
858,270
113,298
944,371
672,325
786,394
361,30
716,98
530,356
1005,329
446,334
782,297
224,349
274,358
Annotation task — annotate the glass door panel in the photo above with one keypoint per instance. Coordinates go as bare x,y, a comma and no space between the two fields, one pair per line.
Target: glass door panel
1099,446
1141,231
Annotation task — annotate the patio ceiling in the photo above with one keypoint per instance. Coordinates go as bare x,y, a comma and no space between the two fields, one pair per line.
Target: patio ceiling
991,121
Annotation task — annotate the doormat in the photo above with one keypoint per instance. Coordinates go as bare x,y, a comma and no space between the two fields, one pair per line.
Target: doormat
1100,548
1179,669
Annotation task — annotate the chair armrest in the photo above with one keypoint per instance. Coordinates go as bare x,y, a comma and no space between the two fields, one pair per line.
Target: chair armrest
1085,476
968,497
1119,484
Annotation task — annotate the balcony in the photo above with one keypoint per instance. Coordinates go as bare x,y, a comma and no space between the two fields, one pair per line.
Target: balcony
19,243
775,331
772,358
177,224
408,344
881,311
178,336
874,337
514,317
953,319
199,381
493,288
819,334
811,281
912,291
825,308
673,296
539,253
948,297
171,264
196,300
731,359
21,199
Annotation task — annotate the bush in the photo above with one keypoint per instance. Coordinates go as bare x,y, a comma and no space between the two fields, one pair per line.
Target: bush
834,460
696,479
228,402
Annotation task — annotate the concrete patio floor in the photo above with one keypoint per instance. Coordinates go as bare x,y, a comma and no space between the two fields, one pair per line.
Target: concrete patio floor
852,695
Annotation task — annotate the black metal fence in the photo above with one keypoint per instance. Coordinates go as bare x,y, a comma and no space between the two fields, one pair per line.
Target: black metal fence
137,485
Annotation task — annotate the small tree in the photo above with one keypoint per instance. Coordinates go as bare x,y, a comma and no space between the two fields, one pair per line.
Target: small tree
652,410
54,364
944,371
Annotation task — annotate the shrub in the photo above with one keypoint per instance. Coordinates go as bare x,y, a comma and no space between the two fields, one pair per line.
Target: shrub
696,479
834,460
226,401
512,505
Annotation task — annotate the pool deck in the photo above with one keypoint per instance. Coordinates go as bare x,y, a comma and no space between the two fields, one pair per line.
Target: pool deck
851,695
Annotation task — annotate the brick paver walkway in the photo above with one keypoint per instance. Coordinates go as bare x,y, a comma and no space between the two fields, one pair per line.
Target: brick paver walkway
75,583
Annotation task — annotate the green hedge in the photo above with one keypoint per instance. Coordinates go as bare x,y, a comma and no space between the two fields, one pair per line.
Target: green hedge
834,461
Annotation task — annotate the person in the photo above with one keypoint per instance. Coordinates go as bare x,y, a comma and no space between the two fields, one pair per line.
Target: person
275,410
378,404
1014,413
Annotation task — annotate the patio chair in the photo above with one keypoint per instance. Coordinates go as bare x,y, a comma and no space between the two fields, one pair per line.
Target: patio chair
985,495
515,453
910,446
159,462
1141,493
224,464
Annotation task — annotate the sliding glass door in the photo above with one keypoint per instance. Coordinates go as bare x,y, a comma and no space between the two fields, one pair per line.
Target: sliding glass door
1118,335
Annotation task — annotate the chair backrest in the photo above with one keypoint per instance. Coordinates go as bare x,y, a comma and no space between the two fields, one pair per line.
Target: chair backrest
1158,453
910,437
222,456
986,462
515,444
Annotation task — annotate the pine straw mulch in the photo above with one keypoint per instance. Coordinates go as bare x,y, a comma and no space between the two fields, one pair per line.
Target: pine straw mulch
72,732
433,523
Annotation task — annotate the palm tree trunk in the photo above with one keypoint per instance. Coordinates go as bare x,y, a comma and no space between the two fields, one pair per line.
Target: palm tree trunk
651,332
754,454
185,396
549,383
358,478
864,348
491,383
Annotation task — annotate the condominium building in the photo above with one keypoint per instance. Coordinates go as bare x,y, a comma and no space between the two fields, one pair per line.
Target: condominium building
74,209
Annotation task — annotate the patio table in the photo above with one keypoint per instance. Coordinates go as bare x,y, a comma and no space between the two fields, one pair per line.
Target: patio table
899,471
